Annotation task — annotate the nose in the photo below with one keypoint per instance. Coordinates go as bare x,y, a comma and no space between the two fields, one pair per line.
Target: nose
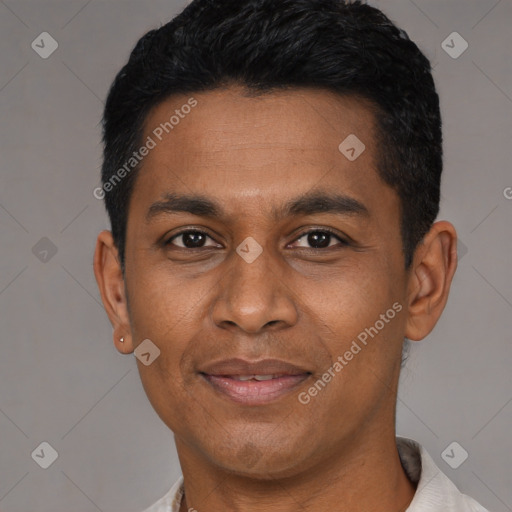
254,296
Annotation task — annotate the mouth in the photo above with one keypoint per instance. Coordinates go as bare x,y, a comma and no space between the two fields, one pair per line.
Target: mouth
254,383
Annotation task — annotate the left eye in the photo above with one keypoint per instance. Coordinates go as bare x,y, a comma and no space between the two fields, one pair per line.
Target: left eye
320,239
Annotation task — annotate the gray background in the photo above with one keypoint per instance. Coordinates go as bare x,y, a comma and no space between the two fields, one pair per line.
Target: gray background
61,379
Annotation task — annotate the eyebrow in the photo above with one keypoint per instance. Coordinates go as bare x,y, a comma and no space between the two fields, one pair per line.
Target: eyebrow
307,204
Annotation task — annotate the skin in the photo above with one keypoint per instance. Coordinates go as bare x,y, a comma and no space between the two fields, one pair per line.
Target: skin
294,302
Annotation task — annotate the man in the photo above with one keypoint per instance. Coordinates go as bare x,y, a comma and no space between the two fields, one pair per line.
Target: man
272,172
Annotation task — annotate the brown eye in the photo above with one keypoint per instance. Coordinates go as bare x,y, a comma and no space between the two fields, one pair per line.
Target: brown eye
320,239
190,239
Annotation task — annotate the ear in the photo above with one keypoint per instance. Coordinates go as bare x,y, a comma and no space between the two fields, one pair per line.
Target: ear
109,276
431,274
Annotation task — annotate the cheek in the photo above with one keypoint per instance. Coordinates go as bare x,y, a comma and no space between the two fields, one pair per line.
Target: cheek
351,299
163,380
168,312
163,304
362,306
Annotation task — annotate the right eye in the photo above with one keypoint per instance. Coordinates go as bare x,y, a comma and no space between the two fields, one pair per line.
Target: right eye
190,239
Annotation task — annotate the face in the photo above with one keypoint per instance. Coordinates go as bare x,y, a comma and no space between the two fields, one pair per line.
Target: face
252,237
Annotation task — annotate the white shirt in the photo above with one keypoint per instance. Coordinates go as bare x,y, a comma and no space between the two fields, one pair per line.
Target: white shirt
434,492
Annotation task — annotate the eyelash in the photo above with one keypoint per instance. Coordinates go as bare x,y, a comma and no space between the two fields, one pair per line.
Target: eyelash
342,241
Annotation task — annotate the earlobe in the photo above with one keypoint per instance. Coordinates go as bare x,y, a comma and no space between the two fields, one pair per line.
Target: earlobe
109,276
433,267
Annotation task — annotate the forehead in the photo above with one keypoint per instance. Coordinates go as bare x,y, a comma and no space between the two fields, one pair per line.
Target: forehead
299,120
251,151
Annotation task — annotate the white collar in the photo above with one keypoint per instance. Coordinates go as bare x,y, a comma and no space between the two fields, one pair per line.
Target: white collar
434,493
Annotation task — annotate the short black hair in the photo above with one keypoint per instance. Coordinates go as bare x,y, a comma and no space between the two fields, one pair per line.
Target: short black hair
346,47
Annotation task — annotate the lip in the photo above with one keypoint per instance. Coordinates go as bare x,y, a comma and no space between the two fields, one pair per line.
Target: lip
221,377
238,366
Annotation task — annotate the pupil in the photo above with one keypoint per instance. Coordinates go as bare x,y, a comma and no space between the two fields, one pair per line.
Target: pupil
318,239
195,238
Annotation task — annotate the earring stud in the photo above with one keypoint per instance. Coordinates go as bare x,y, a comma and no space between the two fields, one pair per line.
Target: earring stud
121,340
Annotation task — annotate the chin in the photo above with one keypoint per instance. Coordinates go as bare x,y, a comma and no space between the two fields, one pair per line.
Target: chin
260,462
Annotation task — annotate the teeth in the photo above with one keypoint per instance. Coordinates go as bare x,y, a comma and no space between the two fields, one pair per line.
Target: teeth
256,377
